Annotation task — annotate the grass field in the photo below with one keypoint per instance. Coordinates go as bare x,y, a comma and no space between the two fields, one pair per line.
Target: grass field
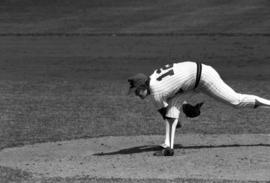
151,16
51,91
60,87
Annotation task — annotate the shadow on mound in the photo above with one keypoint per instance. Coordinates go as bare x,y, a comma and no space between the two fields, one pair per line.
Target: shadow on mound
151,148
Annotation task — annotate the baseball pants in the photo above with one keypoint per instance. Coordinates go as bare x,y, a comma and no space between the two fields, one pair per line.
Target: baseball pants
212,85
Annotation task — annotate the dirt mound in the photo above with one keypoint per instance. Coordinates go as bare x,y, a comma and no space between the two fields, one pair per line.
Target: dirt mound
233,157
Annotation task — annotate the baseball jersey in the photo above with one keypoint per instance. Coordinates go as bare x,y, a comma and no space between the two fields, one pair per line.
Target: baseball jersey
168,81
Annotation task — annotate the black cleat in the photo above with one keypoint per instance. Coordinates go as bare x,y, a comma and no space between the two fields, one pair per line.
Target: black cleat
165,152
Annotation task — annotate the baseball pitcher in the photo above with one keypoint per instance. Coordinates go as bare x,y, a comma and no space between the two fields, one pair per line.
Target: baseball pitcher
168,84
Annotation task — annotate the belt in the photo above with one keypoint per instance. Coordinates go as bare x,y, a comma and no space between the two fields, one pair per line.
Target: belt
198,75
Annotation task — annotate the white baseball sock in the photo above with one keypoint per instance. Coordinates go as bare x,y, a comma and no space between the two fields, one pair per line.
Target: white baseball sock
262,103
170,132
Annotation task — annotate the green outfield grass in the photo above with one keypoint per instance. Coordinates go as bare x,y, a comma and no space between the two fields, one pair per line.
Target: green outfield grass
51,91
61,88
151,16
73,84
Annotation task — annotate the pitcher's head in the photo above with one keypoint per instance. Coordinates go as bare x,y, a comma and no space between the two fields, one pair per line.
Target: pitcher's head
139,85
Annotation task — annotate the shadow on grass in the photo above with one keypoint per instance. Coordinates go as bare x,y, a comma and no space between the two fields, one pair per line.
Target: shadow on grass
151,148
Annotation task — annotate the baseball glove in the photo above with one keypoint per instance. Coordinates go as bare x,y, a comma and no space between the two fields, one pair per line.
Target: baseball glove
192,111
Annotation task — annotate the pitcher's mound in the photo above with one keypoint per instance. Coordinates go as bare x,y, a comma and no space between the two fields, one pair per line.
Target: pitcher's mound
233,157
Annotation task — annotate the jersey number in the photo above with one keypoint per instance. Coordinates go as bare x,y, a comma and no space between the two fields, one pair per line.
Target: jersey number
170,71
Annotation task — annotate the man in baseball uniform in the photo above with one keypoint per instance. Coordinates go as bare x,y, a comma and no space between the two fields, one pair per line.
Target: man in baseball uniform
168,84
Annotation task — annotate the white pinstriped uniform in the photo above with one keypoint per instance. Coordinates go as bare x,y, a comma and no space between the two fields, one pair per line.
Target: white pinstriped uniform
165,89
165,84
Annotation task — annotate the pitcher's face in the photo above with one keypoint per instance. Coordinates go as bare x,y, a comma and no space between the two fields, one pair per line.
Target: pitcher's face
141,92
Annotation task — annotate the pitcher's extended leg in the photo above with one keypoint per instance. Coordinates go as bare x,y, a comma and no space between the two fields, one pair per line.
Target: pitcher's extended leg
213,85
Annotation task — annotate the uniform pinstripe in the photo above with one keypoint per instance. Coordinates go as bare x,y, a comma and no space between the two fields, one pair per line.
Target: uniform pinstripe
166,91
169,84
213,85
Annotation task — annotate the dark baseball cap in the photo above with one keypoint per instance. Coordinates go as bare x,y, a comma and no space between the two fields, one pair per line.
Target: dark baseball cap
136,81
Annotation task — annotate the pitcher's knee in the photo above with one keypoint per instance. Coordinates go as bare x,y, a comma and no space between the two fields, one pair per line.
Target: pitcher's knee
236,103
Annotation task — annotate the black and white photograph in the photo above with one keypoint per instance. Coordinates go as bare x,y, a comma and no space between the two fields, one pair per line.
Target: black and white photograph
134,91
